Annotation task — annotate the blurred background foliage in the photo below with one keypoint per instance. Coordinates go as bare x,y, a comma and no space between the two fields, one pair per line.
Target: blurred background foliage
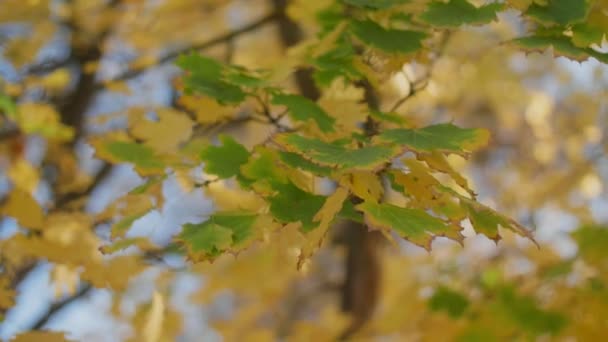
72,70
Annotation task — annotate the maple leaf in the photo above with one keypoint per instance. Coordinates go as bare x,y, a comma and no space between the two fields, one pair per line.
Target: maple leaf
325,216
559,11
303,109
292,204
451,301
459,12
442,137
337,155
165,134
387,40
226,159
209,239
414,225
562,46
23,207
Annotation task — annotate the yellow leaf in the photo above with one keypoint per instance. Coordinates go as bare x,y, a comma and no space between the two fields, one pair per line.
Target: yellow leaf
440,163
118,87
206,109
39,118
23,207
365,185
154,322
114,274
56,81
37,336
65,279
24,176
346,103
418,182
7,294
234,198
165,135
332,206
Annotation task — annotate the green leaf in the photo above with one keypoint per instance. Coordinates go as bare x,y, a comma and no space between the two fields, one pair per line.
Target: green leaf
442,137
388,117
263,169
584,35
375,4
242,77
450,301
414,225
459,12
292,204
562,12
296,161
486,221
225,160
221,231
592,243
524,312
335,63
143,157
7,106
337,155
562,46
206,76
387,40
349,212
303,109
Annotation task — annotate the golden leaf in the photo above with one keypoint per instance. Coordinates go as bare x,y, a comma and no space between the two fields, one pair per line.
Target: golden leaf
206,109
37,336
56,81
365,185
65,279
165,135
24,176
418,182
332,206
7,294
154,320
114,274
43,119
234,198
24,208
346,104
440,163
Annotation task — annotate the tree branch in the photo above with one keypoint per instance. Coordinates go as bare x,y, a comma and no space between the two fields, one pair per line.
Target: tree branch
58,306
204,45
291,34
69,197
